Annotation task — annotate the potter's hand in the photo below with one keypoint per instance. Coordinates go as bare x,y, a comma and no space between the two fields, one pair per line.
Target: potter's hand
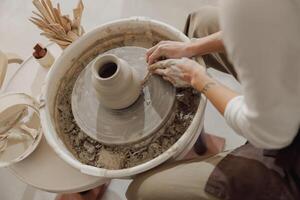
168,49
180,72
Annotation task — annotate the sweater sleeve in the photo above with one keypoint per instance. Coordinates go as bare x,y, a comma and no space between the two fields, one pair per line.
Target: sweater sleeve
260,44
267,131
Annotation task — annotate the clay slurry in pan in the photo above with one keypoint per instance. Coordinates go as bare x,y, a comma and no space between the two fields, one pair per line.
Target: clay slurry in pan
122,126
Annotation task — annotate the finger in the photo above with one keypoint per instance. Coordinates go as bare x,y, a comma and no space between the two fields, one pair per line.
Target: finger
161,72
150,51
156,55
162,64
171,62
158,65
169,79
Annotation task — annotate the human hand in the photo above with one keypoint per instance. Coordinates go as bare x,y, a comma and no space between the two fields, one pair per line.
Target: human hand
168,49
180,72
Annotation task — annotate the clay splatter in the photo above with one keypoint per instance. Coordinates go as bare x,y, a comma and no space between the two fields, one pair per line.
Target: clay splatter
91,152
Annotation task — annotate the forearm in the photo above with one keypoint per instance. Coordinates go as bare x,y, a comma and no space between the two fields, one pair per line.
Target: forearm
218,94
210,44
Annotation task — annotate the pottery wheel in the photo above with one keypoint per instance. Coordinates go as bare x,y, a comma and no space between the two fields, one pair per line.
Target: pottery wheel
141,120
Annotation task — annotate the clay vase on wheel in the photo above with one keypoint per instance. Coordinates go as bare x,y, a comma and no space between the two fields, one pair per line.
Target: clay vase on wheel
117,85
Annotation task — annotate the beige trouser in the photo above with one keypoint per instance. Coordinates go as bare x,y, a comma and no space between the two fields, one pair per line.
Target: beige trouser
185,180
205,22
180,180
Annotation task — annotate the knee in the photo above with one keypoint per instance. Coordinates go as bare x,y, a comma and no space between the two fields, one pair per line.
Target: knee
150,186
137,190
132,190
203,22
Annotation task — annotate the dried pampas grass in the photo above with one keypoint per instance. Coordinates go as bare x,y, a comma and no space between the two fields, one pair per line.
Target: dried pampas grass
55,26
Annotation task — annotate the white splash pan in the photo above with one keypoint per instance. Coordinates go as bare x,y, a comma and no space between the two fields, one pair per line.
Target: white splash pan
123,30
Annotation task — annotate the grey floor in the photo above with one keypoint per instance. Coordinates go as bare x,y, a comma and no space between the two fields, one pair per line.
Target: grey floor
18,35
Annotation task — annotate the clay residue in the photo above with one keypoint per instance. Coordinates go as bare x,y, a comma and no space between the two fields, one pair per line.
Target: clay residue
91,152
110,160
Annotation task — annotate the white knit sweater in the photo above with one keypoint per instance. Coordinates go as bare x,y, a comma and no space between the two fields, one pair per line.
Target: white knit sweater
262,39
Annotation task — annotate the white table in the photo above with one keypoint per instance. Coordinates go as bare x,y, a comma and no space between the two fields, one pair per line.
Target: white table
44,169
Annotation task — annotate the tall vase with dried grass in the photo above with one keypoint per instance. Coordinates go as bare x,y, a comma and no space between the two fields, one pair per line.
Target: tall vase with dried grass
57,27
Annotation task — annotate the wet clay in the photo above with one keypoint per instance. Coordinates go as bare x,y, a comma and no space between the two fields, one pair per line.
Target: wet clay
98,110
91,152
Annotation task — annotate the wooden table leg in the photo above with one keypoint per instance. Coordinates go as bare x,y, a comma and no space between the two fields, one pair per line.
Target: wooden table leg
206,145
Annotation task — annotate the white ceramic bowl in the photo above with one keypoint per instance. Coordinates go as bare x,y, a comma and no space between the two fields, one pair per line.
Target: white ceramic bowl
126,32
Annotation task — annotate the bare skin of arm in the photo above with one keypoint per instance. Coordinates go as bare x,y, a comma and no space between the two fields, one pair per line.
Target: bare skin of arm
210,44
173,49
188,72
218,94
